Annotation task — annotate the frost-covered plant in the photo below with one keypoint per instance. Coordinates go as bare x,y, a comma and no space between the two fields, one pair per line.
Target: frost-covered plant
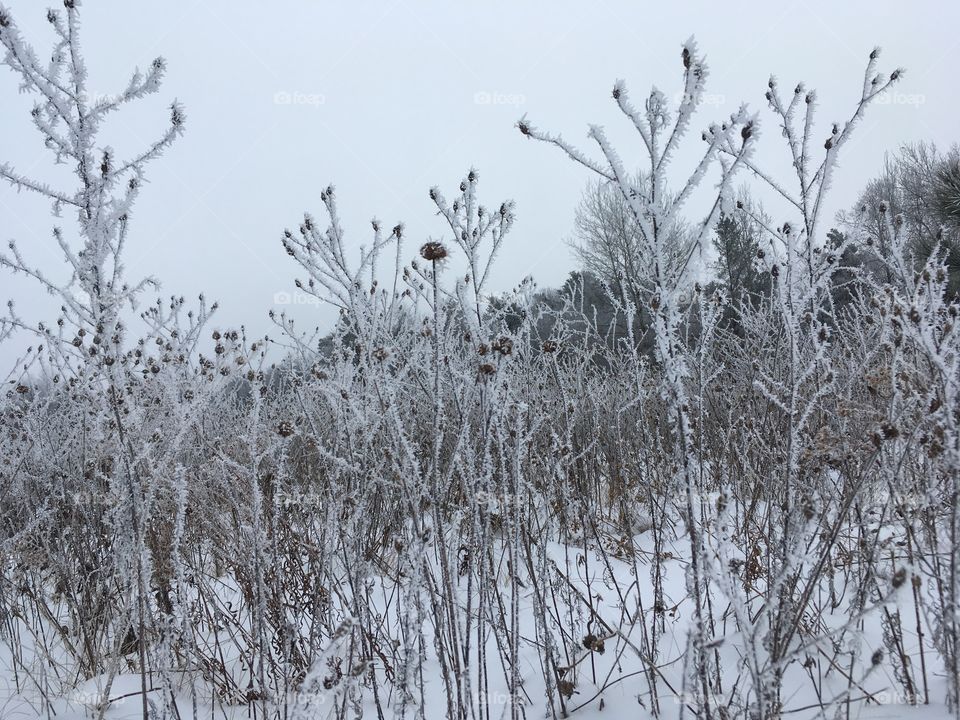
90,395
657,213
802,263
918,318
69,122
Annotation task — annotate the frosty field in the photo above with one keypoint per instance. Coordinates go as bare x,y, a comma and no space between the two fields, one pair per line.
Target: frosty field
715,475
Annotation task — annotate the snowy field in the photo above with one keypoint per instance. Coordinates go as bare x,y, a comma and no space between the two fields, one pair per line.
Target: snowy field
714,475
608,681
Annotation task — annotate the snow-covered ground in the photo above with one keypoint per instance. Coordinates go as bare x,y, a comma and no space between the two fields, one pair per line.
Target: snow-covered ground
603,597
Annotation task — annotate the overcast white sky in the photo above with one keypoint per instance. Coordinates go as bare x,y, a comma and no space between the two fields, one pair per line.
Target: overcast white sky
386,98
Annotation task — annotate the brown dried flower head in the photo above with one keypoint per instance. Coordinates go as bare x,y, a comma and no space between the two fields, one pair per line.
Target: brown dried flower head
504,346
594,644
433,251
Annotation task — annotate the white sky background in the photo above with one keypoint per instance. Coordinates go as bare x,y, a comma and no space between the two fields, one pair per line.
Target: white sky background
387,98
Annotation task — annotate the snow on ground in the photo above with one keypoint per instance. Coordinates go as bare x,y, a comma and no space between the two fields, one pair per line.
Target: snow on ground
607,685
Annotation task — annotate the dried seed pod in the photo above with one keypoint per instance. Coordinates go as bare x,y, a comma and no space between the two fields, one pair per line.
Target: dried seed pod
594,644
433,251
